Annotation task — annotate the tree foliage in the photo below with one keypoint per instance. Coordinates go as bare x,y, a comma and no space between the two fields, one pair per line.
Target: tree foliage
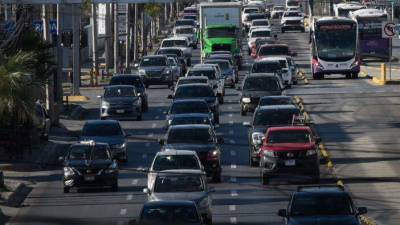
153,9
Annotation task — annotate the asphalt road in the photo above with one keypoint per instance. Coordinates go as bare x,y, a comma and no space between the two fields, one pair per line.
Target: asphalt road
356,120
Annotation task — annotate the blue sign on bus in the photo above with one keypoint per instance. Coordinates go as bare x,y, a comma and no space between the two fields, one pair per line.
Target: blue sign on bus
53,26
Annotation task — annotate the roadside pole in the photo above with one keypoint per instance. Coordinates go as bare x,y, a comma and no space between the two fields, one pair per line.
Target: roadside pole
116,38
76,70
95,65
128,38
58,84
107,38
135,45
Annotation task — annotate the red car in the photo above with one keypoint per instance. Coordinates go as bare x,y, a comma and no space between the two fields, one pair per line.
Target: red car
273,50
257,43
289,150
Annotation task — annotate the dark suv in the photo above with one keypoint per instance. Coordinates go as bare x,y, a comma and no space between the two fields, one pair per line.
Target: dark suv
155,70
201,139
321,205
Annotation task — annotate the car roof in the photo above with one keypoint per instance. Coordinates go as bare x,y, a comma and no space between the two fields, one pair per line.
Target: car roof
176,38
276,97
204,65
190,115
88,144
176,152
274,45
169,48
261,29
186,126
90,122
216,59
186,100
175,172
273,58
193,78
195,85
321,189
155,56
219,55
260,20
169,203
203,68
119,86
278,107
289,128
184,27
183,20
125,75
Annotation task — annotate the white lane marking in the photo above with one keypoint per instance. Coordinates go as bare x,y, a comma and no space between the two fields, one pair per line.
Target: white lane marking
122,212
232,208
233,153
234,193
230,107
135,181
233,166
231,132
144,156
157,117
129,197
230,115
151,135
231,122
233,179
233,220
147,144
232,142
154,125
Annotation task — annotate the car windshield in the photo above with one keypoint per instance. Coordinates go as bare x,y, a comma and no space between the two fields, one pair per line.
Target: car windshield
261,33
172,61
135,81
192,81
204,73
261,84
170,51
171,215
292,14
189,17
190,135
274,117
189,107
194,92
184,31
321,205
97,152
265,67
153,61
174,43
179,183
101,129
224,65
184,23
190,120
279,8
170,162
289,136
119,92
252,10
260,23
194,11
256,16
274,50
223,32
275,101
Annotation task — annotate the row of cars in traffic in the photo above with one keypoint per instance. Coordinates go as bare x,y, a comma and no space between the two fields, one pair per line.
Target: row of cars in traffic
281,142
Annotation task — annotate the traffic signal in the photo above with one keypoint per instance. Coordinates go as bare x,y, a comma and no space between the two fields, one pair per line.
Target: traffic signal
66,39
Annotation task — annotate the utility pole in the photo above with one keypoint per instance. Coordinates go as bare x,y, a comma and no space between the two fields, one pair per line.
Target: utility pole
128,38
116,39
135,20
107,38
5,12
58,85
76,68
94,40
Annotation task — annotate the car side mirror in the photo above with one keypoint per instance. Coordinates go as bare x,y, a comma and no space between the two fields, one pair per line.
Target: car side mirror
246,124
220,140
61,158
282,213
146,190
362,210
161,141
170,97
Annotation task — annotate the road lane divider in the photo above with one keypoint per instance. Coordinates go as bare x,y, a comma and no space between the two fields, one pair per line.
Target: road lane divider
329,163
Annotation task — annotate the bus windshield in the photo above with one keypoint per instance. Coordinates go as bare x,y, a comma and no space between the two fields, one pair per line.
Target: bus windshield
336,42
221,32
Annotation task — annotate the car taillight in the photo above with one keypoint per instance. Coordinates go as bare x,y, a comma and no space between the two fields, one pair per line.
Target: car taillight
316,63
213,155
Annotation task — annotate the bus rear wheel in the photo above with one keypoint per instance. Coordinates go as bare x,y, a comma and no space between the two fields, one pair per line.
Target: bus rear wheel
354,75
318,76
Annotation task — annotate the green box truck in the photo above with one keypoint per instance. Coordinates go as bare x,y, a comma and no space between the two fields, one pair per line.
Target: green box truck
221,28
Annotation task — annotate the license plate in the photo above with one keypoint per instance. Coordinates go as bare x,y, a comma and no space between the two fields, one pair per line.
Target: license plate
120,111
291,162
89,178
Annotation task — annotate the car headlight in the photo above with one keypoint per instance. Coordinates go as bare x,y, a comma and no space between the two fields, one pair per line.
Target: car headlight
167,71
203,203
311,152
142,72
105,104
257,138
268,153
169,122
246,100
123,145
68,171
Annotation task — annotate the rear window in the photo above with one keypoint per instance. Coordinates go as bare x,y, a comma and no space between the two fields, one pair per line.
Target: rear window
184,23
190,120
260,23
174,43
170,162
256,16
261,84
194,92
274,50
153,61
261,33
170,215
192,81
190,135
289,136
250,10
321,205
275,101
135,81
101,129
206,73
189,107
265,67
223,65
274,117
170,51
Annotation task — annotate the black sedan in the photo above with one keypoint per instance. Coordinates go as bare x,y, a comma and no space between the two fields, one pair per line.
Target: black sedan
89,164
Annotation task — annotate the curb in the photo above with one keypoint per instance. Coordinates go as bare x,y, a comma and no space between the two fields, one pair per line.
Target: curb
331,167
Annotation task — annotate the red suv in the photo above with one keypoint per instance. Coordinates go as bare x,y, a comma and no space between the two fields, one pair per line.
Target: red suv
289,150
268,50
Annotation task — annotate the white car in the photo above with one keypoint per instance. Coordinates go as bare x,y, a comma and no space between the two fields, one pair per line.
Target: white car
292,20
173,160
247,10
277,11
258,33
293,8
179,42
187,31
260,23
286,71
217,81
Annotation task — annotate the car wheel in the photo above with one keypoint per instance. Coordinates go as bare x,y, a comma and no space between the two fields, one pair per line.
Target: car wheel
348,75
114,187
145,107
208,221
147,85
221,100
295,82
303,30
243,112
354,76
66,189
217,119
264,178
253,163
139,117
282,30
216,178
44,137
233,85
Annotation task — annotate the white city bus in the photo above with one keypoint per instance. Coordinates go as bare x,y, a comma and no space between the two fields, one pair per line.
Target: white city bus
334,45
344,8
